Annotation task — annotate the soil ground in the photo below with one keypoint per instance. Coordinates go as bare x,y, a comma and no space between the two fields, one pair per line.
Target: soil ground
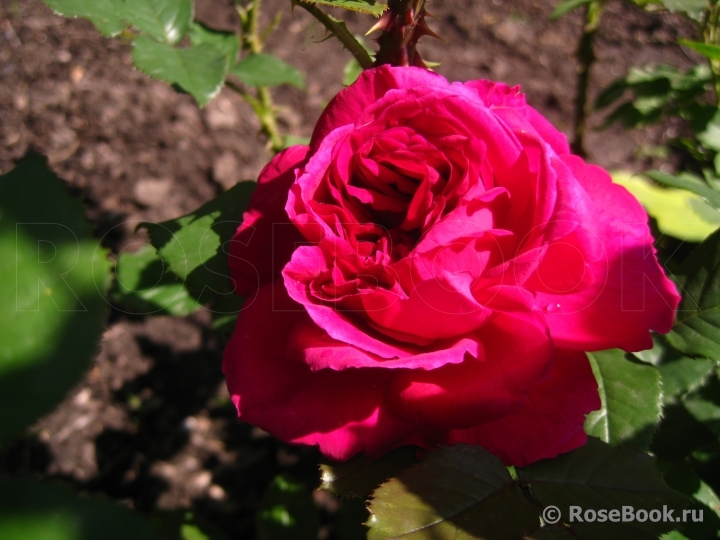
151,423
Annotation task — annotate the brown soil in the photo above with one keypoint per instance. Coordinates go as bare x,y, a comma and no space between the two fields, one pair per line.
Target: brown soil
151,423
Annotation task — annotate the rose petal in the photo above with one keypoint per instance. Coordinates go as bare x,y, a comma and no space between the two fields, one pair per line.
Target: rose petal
480,390
313,346
630,294
550,422
342,412
510,104
437,308
347,106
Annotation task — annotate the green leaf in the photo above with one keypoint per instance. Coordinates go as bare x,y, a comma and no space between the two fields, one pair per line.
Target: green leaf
182,525
33,511
53,275
567,6
684,375
631,399
704,406
291,140
106,15
694,8
225,43
163,20
679,434
697,187
144,287
464,492
199,71
287,512
678,212
712,52
597,476
266,70
351,72
460,492
353,69
363,6
194,246
683,478
696,331
709,136
657,92
361,475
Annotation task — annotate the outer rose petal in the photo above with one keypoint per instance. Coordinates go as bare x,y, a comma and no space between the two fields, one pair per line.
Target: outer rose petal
348,105
550,423
342,412
510,103
257,256
630,294
478,391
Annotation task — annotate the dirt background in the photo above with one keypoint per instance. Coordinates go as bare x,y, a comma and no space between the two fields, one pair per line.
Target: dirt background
151,423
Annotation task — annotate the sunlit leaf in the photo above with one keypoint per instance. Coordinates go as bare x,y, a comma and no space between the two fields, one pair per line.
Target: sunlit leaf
694,8
144,287
164,20
53,278
695,186
200,71
106,15
679,213
696,331
266,70
709,51
195,246
631,398
226,43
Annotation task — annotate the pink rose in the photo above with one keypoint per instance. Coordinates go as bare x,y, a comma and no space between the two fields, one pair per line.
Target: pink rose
430,271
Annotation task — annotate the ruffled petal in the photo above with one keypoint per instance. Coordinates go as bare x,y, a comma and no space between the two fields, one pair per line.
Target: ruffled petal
313,346
347,106
342,412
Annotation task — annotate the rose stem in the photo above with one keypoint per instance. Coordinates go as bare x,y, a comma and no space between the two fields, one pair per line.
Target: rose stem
262,103
340,31
402,26
586,58
710,34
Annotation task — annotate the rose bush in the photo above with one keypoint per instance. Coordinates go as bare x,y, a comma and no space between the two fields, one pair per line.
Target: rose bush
430,270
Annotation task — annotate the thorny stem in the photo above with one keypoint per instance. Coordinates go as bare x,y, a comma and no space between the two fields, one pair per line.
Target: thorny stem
340,31
262,103
586,58
398,40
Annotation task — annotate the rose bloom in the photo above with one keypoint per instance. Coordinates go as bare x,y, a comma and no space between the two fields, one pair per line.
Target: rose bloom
430,271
